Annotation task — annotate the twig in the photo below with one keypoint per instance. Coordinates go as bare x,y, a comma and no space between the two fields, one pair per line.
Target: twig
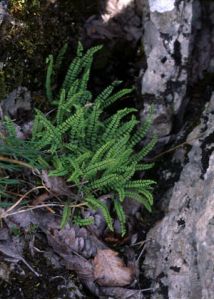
5,214
27,264
149,289
174,148
24,196
143,244
15,161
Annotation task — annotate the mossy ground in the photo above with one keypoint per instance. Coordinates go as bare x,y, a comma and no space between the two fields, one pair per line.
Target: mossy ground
38,28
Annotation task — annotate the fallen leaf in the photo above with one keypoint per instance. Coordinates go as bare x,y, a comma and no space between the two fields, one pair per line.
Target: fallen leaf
110,270
41,199
55,184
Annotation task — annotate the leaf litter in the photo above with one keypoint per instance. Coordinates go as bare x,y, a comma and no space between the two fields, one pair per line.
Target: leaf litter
81,250
98,267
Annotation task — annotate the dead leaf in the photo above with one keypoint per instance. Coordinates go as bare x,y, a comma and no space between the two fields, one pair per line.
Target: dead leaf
55,184
41,199
13,249
110,270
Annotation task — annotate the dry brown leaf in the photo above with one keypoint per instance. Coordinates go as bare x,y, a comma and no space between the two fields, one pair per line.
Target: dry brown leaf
41,199
110,270
55,184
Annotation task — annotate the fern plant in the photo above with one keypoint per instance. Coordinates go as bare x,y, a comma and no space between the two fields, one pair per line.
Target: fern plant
95,152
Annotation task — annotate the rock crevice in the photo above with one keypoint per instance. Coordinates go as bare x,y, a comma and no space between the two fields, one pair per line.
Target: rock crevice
185,236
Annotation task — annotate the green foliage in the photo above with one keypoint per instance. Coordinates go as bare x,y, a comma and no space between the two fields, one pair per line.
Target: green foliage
66,215
83,222
96,153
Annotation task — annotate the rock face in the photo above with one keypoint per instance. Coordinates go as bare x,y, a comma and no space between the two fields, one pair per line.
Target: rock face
178,44
181,247
117,19
3,10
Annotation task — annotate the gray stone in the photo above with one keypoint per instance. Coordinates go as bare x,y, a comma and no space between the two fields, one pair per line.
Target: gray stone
3,10
180,254
117,19
179,47
17,101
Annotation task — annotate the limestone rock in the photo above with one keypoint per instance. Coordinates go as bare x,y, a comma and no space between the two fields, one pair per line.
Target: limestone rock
180,254
178,45
117,19
18,102
3,10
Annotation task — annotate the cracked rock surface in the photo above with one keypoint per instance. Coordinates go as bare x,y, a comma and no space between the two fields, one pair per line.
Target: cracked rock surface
181,247
178,44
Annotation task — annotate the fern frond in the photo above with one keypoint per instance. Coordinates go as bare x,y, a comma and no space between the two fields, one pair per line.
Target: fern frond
79,49
60,57
77,220
67,124
148,195
139,198
138,184
73,89
36,127
106,93
115,121
104,181
99,166
99,154
126,128
48,82
121,216
60,168
77,173
84,157
146,149
51,133
78,128
78,64
118,147
121,193
97,204
65,215
129,172
72,73
140,134
10,127
74,148
59,115
84,82
144,167
71,104
109,101
88,57
93,125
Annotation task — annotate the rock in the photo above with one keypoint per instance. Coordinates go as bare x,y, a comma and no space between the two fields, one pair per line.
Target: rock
3,10
17,103
177,51
180,254
118,19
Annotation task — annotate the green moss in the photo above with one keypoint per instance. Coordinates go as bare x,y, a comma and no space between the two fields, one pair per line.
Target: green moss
41,27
